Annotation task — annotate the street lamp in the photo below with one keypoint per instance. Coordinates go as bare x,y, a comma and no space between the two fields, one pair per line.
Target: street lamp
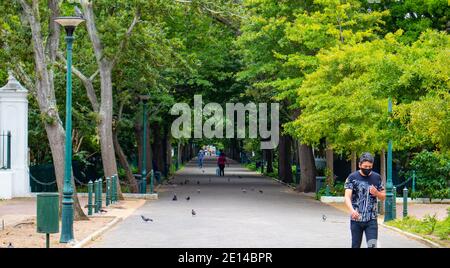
69,24
144,99
389,202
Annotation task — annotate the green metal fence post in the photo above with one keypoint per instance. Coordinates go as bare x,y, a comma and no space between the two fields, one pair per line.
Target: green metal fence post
96,196
90,186
414,182
405,202
152,177
108,189
394,203
100,189
114,188
8,150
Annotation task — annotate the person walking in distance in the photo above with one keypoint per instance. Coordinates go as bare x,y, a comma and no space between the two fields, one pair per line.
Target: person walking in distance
362,189
200,155
221,163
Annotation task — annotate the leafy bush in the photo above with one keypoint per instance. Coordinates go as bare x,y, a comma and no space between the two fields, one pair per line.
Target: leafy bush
432,174
337,190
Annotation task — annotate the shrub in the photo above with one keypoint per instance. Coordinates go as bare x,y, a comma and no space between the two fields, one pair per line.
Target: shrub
432,174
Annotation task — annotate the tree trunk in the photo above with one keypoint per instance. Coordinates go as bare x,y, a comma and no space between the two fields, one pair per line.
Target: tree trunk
307,169
121,155
105,126
124,163
285,158
157,147
330,168
165,153
269,160
46,93
105,67
354,164
138,136
179,153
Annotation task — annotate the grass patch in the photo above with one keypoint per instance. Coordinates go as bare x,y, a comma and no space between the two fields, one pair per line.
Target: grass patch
428,227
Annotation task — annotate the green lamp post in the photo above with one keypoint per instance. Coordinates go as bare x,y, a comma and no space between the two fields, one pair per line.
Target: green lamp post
69,24
144,99
389,203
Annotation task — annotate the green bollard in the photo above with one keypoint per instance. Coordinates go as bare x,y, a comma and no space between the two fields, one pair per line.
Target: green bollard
327,190
90,188
405,202
100,189
96,196
114,188
394,205
152,177
108,189
111,188
413,182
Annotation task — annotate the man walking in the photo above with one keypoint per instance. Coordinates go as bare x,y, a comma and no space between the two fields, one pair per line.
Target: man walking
362,189
200,155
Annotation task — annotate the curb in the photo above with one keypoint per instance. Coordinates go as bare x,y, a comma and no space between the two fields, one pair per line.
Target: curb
97,233
413,236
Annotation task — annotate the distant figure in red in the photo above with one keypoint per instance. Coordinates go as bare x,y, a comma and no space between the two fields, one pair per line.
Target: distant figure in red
221,163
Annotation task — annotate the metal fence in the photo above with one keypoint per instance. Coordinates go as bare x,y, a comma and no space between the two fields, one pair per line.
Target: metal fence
5,150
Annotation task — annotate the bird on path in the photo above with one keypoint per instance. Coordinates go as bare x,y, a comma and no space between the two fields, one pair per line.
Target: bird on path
188,198
10,245
244,191
198,190
146,219
198,182
174,197
324,217
193,213
240,177
261,191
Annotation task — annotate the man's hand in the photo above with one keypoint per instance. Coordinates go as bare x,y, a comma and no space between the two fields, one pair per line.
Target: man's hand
355,215
373,191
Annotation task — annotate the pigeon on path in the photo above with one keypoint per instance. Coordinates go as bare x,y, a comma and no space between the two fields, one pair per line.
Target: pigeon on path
193,213
174,197
145,219
324,217
188,198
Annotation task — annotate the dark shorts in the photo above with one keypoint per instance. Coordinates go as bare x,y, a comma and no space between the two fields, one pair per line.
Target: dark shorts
369,228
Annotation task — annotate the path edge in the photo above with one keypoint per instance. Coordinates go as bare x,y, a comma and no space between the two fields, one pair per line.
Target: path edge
413,236
97,233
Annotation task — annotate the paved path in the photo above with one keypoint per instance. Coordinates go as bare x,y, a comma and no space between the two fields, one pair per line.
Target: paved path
228,217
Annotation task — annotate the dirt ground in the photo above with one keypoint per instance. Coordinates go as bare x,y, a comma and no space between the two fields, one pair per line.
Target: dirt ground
18,222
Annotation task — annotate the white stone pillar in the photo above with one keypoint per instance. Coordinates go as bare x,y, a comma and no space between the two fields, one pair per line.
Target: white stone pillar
14,118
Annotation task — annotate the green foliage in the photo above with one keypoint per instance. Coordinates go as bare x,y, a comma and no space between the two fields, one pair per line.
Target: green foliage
432,174
337,190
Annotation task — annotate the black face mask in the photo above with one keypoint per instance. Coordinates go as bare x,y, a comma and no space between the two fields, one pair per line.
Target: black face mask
366,171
